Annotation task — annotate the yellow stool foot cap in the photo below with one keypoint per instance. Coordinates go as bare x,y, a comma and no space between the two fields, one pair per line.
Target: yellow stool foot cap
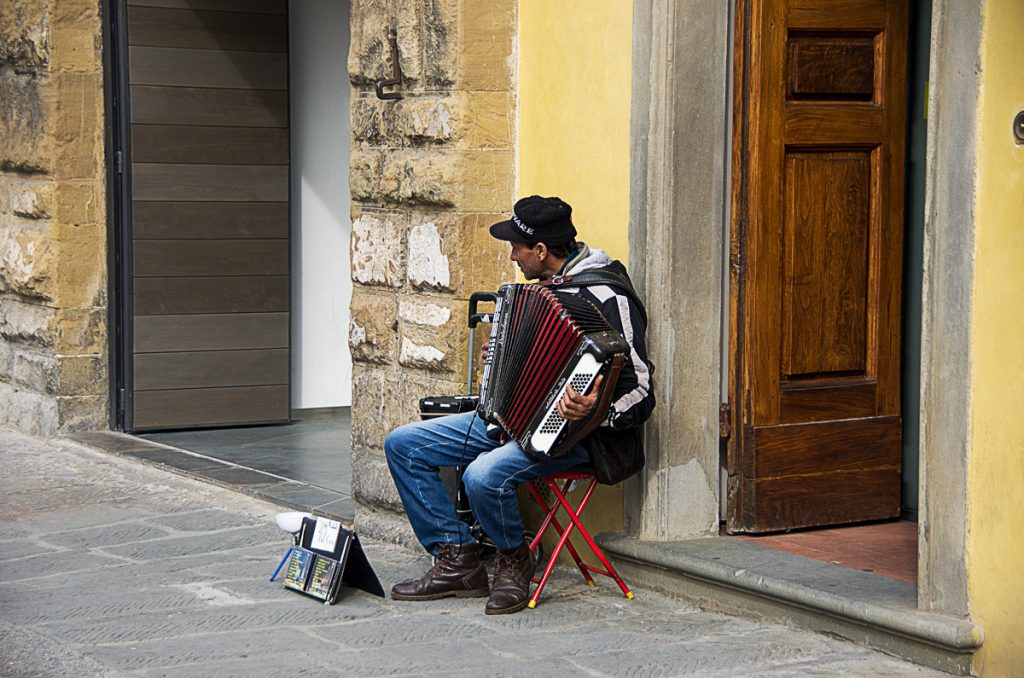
532,604
630,595
590,583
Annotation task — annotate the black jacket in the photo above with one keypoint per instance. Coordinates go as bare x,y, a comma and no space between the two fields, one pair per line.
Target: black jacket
616,448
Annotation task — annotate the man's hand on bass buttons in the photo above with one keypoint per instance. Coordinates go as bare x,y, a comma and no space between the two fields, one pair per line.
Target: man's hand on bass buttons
574,406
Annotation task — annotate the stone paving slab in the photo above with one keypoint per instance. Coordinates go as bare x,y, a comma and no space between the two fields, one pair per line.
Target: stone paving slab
108,535
27,654
21,548
200,521
116,568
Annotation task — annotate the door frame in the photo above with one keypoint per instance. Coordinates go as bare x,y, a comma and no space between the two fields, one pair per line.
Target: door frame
680,83
679,193
950,187
120,307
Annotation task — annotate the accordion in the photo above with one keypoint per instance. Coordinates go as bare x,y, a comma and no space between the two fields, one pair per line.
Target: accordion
541,342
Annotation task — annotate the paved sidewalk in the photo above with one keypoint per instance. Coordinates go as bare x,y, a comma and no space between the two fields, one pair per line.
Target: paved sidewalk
110,567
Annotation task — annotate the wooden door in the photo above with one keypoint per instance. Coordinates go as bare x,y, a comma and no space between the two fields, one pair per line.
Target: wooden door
209,326
816,257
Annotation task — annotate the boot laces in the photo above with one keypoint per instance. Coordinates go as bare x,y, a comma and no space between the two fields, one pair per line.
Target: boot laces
445,559
509,565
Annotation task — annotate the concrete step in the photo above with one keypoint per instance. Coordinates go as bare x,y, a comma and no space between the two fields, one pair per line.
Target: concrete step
740,577
276,489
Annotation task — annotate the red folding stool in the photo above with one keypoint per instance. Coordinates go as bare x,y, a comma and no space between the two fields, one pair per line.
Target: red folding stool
561,502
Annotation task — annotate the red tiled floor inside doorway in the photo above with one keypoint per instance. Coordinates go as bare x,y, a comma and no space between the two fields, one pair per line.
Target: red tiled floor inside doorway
888,549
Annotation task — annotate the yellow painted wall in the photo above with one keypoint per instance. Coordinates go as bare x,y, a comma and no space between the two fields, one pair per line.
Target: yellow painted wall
574,99
995,557
574,82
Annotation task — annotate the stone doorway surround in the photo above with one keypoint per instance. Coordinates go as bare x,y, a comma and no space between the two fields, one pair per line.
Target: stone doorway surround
679,195
681,147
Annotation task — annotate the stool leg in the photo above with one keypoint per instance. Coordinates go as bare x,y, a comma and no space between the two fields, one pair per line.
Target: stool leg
548,515
551,565
575,516
560,492
551,521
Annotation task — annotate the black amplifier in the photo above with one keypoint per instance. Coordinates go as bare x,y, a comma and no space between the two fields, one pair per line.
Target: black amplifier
439,406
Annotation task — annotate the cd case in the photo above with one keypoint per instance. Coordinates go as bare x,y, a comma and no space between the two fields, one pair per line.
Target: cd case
326,557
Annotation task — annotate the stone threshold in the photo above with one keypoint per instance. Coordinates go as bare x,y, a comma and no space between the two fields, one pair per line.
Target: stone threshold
740,577
274,489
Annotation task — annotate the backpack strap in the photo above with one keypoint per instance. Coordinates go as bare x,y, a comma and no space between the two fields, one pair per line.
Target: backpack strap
600,276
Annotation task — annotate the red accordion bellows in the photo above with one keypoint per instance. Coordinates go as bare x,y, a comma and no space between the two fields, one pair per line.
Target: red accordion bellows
541,341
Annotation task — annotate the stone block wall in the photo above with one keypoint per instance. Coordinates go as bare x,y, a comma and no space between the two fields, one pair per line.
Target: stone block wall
53,366
429,173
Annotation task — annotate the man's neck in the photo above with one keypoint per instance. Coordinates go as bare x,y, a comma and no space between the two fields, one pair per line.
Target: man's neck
554,269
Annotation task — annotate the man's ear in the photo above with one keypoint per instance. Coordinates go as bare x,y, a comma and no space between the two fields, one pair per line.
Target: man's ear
542,250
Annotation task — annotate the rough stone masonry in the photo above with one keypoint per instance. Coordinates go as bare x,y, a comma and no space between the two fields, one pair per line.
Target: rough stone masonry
429,172
52,217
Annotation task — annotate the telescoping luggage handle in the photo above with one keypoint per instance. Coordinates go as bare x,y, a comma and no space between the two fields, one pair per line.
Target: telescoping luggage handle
475,319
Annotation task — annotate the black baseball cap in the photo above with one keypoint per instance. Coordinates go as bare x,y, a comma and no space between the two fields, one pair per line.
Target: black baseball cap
537,219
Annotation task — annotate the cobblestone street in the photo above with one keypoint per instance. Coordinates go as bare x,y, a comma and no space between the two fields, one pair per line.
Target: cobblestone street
109,567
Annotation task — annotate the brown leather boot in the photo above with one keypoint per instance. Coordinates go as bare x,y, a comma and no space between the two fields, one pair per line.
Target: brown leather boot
513,571
457,572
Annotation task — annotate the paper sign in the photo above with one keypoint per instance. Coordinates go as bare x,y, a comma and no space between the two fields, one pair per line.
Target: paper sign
325,536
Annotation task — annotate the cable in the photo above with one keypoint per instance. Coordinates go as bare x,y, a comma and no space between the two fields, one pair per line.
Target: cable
459,494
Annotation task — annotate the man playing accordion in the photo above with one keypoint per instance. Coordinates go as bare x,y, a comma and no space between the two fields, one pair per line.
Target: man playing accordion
542,238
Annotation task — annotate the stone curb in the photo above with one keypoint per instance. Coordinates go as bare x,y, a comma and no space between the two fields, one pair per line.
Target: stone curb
957,638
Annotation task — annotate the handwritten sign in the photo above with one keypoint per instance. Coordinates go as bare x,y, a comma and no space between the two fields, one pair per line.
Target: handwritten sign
325,536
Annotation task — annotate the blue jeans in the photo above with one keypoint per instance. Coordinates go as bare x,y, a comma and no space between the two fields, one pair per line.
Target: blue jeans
491,474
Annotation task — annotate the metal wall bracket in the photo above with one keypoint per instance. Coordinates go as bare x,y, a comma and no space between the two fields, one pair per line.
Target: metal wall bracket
396,72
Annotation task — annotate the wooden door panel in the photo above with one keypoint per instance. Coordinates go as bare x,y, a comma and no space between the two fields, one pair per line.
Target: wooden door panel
233,31
827,399
192,407
825,234
824,473
167,220
817,243
831,68
216,332
254,6
848,15
211,369
218,183
220,294
176,67
826,499
251,256
209,106
822,128
210,145
823,447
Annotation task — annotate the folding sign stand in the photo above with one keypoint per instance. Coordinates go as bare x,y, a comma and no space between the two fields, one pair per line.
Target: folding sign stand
326,556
